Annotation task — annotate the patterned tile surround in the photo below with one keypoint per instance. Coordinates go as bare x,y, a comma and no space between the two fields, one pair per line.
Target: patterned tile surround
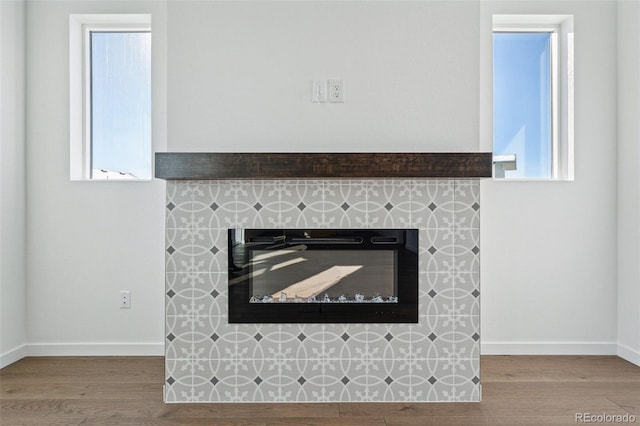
209,360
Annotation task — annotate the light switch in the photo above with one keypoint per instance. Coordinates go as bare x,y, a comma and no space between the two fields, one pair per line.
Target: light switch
318,91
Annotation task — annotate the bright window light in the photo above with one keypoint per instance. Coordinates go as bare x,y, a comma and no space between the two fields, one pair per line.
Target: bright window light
522,101
120,104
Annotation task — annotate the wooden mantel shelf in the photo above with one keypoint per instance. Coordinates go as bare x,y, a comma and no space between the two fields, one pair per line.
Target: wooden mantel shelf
210,165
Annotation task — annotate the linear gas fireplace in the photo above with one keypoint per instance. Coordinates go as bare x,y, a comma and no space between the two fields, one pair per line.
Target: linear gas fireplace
323,275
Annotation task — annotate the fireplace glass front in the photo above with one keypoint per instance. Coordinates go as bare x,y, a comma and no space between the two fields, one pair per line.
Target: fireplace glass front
323,275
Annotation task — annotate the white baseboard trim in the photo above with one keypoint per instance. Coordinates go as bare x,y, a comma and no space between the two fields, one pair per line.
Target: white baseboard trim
13,355
548,348
625,352
95,349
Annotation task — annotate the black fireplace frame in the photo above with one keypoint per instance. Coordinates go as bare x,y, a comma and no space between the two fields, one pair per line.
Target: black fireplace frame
403,241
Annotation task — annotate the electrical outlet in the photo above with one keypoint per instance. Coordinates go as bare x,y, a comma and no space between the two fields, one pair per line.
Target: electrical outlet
318,91
125,299
336,90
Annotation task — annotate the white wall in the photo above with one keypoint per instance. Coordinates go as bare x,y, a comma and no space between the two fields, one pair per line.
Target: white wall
88,240
12,182
549,248
410,72
238,79
629,180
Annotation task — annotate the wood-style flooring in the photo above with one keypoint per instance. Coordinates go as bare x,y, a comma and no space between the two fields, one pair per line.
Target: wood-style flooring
517,390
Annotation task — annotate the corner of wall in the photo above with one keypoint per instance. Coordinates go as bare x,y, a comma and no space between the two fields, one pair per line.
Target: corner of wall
12,182
628,181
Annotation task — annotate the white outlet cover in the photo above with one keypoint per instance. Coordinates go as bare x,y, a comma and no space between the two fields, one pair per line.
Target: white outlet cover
336,91
125,299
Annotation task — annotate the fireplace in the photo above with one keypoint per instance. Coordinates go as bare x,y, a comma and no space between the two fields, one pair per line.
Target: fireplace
277,203
323,275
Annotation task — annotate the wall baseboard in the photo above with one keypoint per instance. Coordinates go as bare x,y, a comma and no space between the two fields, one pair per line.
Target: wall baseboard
625,352
13,355
80,349
549,348
95,349
157,349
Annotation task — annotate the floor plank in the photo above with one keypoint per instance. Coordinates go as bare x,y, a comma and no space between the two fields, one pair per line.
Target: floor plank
505,390
94,391
245,421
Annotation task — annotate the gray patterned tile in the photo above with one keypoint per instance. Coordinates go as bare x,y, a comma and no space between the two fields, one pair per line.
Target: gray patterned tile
239,191
437,303
228,363
355,341
356,392
177,392
466,217
467,191
204,326
352,372
335,217
380,347
203,391
204,215
210,259
422,370
467,371
395,192
179,372
466,263
184,191
224,385
389,203
294,391
467,240
467,303
312,389
336,192
311,347
178,337
440,332
242,216
467,281
179,215
467,337
435,256
432,204
378,217
467,392
179,240
440,392
178,293
291,194
278,351
212,287
311,214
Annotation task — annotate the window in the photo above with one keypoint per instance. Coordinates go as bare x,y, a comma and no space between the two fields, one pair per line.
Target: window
532,97
110,95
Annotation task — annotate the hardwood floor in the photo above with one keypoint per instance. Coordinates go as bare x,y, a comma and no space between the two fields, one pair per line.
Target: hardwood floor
518,390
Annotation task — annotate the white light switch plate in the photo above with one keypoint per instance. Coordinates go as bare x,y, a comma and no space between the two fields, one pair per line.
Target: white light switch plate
318,91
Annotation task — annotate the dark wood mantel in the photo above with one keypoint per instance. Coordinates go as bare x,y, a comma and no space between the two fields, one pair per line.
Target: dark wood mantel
210,165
